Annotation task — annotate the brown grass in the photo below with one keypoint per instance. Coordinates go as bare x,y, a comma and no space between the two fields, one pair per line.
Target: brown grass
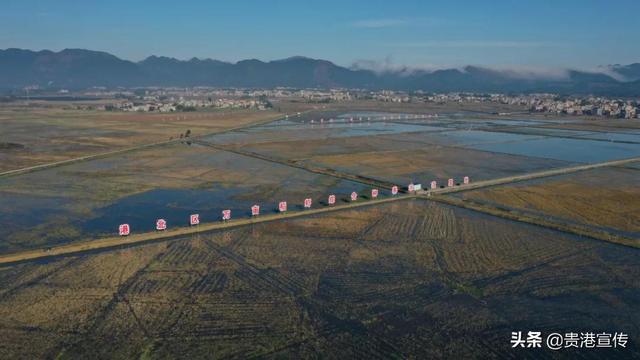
603,197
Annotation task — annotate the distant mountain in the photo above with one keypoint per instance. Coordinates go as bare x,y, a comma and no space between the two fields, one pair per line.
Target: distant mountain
629,72
71,68
78,69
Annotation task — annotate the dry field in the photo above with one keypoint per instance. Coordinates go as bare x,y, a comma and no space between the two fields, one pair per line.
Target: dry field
412,279
38,135
400,159
607,198
434,163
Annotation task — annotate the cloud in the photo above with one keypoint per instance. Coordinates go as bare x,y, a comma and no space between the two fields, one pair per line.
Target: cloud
523,72
476,44
611,72
388,66
378,23
530,72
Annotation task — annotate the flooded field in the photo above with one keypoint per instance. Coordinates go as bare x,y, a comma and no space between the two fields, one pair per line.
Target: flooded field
584,151
311,131
402,148
411,279
608,198
90,199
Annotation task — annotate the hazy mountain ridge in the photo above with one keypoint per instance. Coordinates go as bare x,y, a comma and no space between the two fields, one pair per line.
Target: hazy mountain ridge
79,68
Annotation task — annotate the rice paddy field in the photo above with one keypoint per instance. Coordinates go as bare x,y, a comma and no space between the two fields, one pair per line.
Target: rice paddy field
414,278
607,198
411,279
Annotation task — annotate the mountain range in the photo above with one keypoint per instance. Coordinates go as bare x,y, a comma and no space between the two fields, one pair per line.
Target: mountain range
80,69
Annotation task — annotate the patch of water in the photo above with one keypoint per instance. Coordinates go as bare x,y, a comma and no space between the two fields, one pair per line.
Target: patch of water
584,151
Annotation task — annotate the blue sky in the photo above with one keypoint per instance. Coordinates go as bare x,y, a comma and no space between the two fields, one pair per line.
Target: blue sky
553,34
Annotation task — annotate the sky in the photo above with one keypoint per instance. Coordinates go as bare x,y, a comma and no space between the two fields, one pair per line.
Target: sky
421,33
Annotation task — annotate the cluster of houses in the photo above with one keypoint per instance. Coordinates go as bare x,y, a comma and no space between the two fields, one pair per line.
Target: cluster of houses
550,103
190,99
155,104
590,106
